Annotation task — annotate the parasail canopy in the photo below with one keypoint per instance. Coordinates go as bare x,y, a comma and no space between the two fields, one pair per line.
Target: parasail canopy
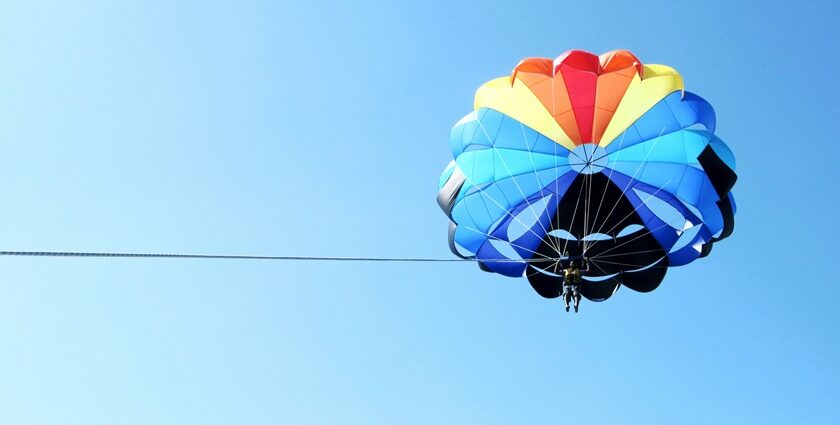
590,156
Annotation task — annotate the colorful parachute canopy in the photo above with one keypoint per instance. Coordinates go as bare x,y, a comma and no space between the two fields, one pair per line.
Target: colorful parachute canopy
594,156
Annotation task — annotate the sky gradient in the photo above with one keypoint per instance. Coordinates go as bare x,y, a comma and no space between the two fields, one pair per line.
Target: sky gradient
278,128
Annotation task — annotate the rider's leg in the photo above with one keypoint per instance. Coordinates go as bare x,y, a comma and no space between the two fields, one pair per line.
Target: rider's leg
567,296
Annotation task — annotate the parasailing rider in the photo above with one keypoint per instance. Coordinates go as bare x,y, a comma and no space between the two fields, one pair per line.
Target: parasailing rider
571,282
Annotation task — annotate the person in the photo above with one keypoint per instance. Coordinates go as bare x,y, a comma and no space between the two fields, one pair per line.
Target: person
571,283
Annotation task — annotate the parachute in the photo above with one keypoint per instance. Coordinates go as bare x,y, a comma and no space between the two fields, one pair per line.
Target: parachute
599,157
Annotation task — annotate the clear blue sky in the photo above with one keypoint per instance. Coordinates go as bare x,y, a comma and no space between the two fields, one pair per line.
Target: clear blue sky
321,129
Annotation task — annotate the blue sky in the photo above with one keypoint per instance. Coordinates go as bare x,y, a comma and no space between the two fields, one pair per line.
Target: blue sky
321,129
